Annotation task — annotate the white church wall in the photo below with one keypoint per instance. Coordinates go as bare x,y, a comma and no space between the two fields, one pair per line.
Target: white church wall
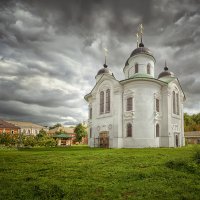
110,122
144,119
165,104
176,120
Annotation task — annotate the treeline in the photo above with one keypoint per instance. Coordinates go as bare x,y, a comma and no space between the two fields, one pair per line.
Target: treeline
20,140
192,122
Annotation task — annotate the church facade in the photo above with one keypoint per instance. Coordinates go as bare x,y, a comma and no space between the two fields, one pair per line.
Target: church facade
140,111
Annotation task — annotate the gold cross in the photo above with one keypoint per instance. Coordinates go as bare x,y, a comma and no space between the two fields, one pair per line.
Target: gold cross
137,36
140,29
105,53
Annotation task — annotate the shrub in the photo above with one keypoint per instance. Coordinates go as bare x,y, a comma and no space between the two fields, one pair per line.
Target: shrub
197,155
29,140
182,165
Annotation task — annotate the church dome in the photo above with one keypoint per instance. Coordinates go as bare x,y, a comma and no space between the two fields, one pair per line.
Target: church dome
104,70
140,50
165,73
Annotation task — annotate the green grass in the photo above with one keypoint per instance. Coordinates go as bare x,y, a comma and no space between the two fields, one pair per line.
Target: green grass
86,173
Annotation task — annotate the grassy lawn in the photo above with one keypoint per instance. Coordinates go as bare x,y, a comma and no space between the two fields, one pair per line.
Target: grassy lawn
86,173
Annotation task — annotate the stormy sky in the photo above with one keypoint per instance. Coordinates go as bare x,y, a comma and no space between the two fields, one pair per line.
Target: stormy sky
51,50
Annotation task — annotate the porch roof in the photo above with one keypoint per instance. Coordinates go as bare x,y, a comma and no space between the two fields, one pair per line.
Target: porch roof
62,135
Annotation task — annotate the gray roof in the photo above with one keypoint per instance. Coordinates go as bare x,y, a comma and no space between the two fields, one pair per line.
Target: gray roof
104,70
140,50
166,73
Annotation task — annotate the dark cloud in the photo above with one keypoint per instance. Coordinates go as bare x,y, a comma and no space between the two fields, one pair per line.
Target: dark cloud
50,51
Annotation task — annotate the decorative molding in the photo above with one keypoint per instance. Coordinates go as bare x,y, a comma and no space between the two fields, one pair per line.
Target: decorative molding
175,128
109,126
129,115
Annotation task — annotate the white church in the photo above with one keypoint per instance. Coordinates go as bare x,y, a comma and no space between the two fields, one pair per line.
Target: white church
140,111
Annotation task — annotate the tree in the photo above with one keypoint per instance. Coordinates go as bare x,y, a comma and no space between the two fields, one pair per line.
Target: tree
55,126
42,133
192,122
80,131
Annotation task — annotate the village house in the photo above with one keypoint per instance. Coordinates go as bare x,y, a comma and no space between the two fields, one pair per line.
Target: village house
28,128
8,128
192,137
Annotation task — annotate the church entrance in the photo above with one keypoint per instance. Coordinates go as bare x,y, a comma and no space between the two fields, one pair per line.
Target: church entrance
176,140
104,139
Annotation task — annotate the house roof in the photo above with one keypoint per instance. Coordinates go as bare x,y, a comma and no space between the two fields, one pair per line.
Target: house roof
26,124
192,134
62,129
5,124
63,135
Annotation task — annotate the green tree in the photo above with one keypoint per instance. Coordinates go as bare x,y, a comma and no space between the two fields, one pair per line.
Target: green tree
192,122
55,126
80,131
42,133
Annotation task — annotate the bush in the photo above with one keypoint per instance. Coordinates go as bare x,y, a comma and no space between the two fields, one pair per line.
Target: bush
182,165
197,155
46,141
29,140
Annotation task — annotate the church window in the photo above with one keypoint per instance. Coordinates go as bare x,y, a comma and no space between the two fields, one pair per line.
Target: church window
136,68
101,102
129,130
90,132
174,103
157,130
177,104
148,68
129,104
107,100
90,115
157,105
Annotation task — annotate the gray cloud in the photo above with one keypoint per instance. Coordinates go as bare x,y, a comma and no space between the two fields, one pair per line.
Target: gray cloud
50,51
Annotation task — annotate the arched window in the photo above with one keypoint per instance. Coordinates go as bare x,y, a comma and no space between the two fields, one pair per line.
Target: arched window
129,104
174,103
129,130
157,130
177,104
101,102
149,68
107,100
136,68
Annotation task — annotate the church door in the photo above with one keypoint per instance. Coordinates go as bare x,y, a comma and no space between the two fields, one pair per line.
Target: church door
104,140
177,141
